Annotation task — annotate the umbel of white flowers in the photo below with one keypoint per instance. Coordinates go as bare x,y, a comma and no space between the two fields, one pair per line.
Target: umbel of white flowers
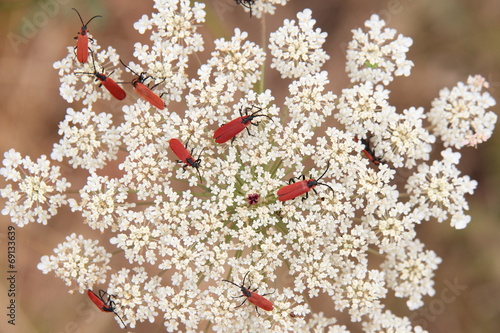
181,244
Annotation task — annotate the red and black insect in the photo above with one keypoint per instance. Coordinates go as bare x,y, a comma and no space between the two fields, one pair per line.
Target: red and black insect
184,155
82,43
246,3
370,152
294,189
104,305
108,83
258,300
231,129
144,91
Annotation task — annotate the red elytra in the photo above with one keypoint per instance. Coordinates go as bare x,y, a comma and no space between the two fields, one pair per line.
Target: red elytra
184,155
147,94
82,43
104,306
144,91
108,83
231,129
369,152
294,189
258,300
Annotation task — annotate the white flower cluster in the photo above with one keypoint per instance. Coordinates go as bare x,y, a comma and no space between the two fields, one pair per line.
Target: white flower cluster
78,260
88,139
438,191
174,37
364,109
377,56
183,233
102,202
460,117
296,50
37,188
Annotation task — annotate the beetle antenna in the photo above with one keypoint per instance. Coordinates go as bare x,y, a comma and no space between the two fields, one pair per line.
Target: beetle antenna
327,167
91,19
130,69
232,283
78,15
120,319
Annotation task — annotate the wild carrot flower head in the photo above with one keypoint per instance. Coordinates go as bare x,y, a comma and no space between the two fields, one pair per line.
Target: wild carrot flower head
297,50
378,55
36,189
248,217
78,261
460,117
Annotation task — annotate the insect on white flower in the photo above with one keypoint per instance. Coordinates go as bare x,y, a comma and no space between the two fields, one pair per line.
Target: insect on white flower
183,233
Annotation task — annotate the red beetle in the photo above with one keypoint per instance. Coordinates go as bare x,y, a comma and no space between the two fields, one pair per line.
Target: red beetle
231,129
184,155
370,153
105,306
258,300
108,83
144,91
293,189
246,3
82,43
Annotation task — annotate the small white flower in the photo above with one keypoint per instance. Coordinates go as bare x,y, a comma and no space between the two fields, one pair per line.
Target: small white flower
102,202
139,297
139,240
364,110
459,116
438,191
296,50
240,60
78,260
38,189
88,139
404,140
362,289
143,24
410,271
377,56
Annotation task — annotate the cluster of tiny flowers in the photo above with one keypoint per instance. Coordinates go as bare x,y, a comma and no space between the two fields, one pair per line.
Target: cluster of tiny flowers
438,191
78,260
237,61
399,137
459,116
377,56
88,139
37,189
174,38
296,50
102,201
242,215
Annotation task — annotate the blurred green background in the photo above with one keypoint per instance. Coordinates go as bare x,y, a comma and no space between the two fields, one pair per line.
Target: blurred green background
452,39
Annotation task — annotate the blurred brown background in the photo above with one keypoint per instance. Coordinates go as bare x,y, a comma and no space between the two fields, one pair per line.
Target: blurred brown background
452,39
